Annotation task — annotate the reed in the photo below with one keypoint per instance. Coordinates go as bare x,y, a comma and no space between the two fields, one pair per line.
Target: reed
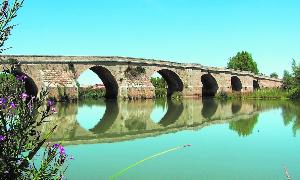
121,172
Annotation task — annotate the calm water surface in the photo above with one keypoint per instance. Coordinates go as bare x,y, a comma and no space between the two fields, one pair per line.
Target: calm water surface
230,140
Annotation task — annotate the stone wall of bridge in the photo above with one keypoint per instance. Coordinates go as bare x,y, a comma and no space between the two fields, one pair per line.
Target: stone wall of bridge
120,77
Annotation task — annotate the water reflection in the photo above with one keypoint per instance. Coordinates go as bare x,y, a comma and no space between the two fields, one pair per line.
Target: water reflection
244,127
175,109
95,110
159,110
210,107
111,121
291,115
109,117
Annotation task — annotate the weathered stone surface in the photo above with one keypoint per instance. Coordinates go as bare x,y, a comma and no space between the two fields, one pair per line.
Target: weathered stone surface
59,74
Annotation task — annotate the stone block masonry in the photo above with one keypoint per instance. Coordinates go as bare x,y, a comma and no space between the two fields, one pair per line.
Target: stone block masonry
129,78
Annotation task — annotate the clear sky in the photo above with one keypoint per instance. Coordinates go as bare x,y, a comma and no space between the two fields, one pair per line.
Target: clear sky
205,32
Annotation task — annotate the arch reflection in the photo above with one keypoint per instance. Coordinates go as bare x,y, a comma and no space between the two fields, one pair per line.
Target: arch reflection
89,113
109,117
210,107
236,106
128,120
175,109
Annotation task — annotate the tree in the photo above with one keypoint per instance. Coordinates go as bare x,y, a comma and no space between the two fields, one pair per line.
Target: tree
296,73
243,61
291,81
160,86
287,80
274,75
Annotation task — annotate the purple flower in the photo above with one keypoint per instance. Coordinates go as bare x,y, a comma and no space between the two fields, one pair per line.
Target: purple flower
56,146
24,96
53,109
50,103
2,138
21,78
2,101
61,148
12,105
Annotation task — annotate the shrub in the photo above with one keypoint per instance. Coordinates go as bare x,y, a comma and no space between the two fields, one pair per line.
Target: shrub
90,93
21,115
176,95
131,72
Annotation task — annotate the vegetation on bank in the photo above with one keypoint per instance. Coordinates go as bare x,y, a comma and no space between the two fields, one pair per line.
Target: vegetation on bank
160,86
161,89
291,81
90,93
274,93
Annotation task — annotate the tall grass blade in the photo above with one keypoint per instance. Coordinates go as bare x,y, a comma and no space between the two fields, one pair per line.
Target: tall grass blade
118,174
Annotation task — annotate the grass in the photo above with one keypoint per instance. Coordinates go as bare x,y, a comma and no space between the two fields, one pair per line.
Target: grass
267,94
89,93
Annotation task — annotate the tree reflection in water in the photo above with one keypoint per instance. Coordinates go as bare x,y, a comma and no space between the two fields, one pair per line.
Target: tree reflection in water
244,127
291,115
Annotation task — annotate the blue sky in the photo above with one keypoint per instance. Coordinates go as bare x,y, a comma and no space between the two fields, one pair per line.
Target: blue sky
196,31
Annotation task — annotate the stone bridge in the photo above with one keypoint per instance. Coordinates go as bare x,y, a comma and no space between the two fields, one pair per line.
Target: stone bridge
126,77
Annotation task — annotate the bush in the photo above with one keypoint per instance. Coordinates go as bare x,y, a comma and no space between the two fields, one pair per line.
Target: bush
258,94
21,116
132,73
90,93
176,95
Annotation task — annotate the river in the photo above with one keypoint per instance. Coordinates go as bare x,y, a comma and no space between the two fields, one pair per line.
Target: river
229,139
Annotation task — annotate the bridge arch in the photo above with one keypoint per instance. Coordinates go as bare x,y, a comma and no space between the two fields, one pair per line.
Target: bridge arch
256,85
173,81
236,84
30,85
209,85
108,80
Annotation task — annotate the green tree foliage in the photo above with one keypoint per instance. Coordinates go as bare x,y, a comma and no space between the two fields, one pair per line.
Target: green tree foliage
160,86
296,73
291,81
158,82
274,75
90,93
287,80
243,61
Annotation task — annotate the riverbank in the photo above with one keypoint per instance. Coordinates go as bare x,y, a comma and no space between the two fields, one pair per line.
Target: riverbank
266,94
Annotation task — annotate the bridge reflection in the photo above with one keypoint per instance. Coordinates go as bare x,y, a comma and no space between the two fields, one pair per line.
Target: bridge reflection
126,120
